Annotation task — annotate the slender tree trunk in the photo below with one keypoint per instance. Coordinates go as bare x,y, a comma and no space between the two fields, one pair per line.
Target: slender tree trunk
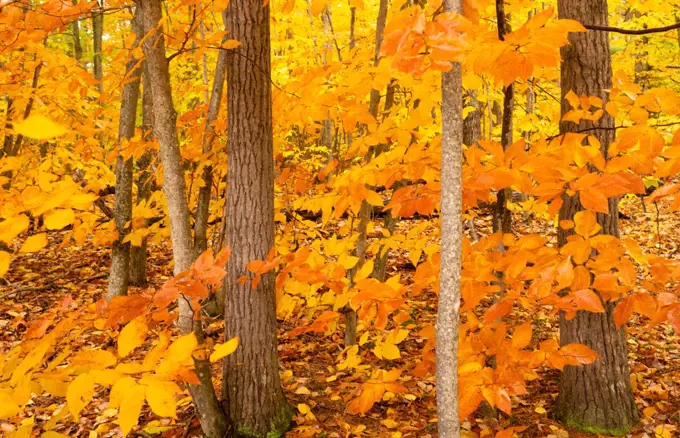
252,393
75,31
451,247
144,180
203,203
365,210
472,125
120,252
210,414
598,397
502,219
97,38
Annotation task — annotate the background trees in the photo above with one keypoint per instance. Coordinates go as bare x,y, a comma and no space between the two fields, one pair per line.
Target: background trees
318,191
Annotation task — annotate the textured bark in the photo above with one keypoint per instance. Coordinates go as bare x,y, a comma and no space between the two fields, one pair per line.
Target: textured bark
472,125
120,252
210,414
203,203
597,397
97,37
451,247
144,180
252,393
502,219
75,31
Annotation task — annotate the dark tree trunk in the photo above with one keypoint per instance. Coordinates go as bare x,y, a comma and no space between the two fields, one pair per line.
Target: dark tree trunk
472,124
253,398
597,397
120,252
502,219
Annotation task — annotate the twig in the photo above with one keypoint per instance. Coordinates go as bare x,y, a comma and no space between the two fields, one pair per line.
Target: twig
632,31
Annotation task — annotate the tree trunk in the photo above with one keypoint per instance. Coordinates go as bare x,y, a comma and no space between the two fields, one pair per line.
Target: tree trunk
252,392
502,219
472,125
451,247
210,414
120,252
598,397
203,203
97,37
75,31
144,180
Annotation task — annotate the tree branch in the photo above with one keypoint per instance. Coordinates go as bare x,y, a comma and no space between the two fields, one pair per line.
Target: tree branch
632,31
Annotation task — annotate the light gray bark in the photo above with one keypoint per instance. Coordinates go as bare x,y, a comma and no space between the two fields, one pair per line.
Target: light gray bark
120,252
208,409
451,247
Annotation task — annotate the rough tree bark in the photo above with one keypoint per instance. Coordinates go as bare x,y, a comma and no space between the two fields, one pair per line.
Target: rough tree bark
598,397
472,124
120,252
75,31
252,394
144,180
451,247
210,414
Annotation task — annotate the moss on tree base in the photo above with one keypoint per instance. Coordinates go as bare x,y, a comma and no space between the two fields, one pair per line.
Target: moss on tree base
278,427
575,424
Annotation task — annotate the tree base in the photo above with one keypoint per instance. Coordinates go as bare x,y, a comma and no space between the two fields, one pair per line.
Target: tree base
279,426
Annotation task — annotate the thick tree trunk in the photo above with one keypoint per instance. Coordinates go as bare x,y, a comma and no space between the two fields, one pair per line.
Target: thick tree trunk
598,397
252,392
144,180
97,38
120,252
451,247
210,414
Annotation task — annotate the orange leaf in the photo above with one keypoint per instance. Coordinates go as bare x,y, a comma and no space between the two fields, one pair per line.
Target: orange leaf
578,354
623,311
586,224
522,336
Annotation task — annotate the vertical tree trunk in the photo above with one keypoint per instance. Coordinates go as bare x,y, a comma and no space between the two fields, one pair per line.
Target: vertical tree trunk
144,180
365,210
75,31
120,252
451,247
252,393
97,38
203,203
210,414
502,219
472,125
598,397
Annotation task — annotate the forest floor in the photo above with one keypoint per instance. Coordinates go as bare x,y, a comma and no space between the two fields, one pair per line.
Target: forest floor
38,281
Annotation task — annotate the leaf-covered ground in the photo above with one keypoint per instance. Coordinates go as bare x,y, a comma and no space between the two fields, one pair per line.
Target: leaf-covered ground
315,380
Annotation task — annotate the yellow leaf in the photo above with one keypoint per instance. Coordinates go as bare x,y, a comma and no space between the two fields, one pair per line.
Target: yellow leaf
586,224
161,400
12,227
390,351
347,261
58,219
540,410
23,431
8,408
34,243
4,262
231,44
373,198
223,350
132,336
130,408
119,390
94,359
79,394
182,348
303,408
39,127
364,272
